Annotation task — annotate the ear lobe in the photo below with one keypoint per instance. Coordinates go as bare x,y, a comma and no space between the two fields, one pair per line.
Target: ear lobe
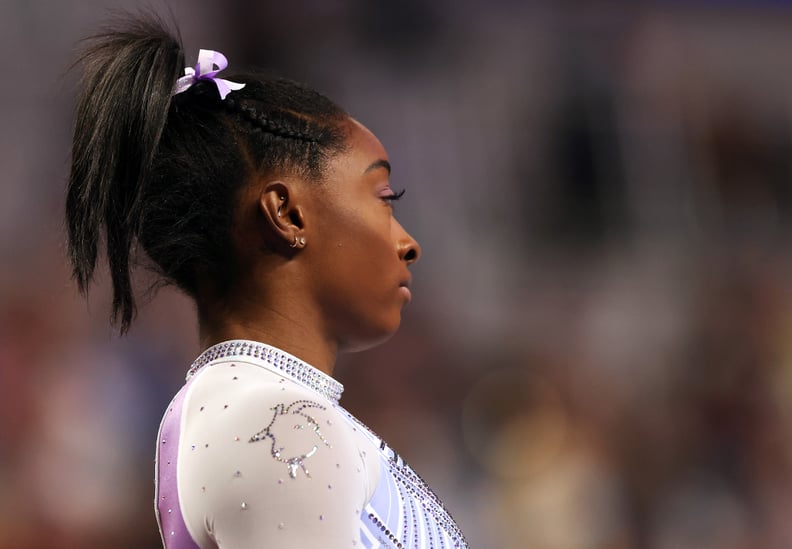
282,217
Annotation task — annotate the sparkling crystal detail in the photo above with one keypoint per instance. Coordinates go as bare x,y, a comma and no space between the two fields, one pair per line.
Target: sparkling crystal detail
423,512
296,408
299,371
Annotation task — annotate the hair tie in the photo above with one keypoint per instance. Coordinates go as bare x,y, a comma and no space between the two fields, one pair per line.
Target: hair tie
205,70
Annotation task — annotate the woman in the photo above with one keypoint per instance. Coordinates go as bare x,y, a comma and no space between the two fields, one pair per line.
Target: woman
270,207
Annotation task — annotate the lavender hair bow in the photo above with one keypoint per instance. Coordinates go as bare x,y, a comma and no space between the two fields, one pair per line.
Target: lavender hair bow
205,70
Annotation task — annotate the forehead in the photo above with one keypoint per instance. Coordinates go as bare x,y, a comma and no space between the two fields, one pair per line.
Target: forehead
350,166
364,143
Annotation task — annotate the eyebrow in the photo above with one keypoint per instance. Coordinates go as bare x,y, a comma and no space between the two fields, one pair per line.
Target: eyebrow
381,163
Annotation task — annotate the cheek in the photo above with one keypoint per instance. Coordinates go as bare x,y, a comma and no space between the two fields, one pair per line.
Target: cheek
361,261
353,244
361,237
359,279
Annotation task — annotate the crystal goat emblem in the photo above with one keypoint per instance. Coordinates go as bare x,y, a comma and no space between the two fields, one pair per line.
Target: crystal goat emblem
307,445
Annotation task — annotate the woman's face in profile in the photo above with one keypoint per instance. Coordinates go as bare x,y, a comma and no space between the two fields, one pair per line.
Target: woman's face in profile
359,252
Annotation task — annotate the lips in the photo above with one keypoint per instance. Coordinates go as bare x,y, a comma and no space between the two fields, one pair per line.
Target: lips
404,289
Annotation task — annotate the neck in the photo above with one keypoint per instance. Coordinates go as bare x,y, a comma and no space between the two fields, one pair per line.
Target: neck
289,331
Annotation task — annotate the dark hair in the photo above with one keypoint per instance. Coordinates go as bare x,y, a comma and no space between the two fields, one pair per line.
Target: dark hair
163,171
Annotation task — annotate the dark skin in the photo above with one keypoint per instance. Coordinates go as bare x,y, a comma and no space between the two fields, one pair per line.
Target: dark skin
344,289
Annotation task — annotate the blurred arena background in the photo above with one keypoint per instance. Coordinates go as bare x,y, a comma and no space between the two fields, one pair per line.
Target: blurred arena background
599,352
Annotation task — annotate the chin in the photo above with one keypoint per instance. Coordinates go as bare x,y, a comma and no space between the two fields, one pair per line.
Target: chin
371,339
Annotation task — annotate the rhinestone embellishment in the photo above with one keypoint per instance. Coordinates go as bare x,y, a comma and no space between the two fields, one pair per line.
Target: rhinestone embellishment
296,461
293,367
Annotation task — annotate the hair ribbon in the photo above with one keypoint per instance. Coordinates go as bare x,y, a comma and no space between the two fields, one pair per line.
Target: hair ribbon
205,70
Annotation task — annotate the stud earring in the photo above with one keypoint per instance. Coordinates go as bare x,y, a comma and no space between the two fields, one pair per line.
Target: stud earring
283,199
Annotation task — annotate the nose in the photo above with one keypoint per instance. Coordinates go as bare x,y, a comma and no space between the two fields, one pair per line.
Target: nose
408,247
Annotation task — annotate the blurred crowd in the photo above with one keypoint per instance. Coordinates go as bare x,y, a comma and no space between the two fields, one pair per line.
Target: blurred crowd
599,352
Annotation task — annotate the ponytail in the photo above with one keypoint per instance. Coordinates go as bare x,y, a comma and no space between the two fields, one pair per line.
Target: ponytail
129,72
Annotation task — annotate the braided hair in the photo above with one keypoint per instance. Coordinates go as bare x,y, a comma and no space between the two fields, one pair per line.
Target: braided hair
161,172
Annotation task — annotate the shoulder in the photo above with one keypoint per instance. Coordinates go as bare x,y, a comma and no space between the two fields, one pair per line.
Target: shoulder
258,447
241,409
252,405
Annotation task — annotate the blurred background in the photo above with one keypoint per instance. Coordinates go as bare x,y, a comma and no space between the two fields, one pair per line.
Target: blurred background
599,351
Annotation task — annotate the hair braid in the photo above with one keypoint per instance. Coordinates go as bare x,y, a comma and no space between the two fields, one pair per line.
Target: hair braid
268,123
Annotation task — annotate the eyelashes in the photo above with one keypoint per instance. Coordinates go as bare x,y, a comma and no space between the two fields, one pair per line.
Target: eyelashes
394,197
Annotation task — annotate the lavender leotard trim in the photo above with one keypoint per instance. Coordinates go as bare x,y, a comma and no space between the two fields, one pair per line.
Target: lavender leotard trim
174,531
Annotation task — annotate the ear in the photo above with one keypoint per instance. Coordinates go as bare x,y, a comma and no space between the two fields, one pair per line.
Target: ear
281,212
